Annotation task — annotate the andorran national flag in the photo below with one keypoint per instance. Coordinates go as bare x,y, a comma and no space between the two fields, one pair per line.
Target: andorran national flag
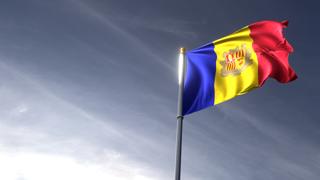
236,64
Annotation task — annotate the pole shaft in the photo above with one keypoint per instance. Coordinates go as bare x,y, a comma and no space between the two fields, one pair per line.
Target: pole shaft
179,147
179,114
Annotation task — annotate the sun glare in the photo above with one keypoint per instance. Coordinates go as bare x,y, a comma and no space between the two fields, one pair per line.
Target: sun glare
180,66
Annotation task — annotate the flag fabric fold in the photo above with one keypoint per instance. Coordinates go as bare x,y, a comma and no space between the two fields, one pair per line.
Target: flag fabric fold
236,64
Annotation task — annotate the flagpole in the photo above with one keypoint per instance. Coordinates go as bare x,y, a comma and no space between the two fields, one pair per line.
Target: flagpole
179,112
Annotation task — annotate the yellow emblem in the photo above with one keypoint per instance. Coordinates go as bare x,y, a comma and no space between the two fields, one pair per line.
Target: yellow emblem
235,61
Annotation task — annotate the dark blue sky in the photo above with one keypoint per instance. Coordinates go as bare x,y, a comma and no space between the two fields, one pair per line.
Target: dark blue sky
88,90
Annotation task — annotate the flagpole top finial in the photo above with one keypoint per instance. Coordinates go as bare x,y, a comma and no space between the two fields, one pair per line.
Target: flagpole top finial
182,50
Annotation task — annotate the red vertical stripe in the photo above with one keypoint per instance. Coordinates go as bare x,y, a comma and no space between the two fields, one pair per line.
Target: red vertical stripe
272,51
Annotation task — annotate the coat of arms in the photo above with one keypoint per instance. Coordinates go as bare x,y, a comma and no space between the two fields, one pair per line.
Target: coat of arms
235,61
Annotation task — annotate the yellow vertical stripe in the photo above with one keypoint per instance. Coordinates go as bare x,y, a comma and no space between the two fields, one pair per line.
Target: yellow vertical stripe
236,66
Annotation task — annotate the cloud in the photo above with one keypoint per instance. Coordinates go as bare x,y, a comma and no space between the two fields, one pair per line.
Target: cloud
176,27
43,136
39,166
130,38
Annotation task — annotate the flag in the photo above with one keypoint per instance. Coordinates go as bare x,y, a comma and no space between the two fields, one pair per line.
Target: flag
236,64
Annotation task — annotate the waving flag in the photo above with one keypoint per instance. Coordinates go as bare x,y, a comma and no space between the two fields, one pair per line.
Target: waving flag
236,64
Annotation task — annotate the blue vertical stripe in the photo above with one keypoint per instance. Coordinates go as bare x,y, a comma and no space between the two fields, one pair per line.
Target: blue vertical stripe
199,79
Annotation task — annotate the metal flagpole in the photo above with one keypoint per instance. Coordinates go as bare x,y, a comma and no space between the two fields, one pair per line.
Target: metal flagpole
179,113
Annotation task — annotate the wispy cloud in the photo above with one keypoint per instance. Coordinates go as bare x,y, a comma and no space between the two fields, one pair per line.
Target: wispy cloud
176,27
130,38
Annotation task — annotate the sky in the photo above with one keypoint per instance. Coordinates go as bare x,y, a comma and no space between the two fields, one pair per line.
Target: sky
88,90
